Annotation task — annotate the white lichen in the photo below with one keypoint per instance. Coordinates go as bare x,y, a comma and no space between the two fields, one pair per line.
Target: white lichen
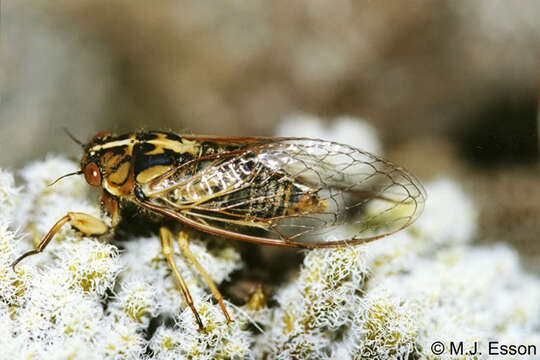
9,197
389,299
81,299
316,307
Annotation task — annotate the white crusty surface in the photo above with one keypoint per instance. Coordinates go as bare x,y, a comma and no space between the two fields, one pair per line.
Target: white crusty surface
83,298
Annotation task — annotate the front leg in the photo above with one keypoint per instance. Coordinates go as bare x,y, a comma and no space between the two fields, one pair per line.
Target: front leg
87,224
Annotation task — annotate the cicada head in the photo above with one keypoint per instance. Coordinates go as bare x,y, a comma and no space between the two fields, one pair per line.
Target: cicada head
91,166
106,163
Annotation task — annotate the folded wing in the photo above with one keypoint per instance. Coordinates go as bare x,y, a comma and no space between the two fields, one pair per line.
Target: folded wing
292,192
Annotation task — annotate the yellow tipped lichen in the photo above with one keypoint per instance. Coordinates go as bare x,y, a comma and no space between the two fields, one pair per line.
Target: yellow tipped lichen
290,321
257,300
389,299
135,308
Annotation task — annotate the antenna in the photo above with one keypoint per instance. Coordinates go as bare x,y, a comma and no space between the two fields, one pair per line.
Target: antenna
71,135
63,176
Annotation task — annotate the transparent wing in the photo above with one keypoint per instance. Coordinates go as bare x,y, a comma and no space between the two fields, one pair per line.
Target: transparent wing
291,192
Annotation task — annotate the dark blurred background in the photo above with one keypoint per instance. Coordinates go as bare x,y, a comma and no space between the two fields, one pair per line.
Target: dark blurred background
452,87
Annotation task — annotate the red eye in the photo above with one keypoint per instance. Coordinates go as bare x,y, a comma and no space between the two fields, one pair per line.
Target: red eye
92,174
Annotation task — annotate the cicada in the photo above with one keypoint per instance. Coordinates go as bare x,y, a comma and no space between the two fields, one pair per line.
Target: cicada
289,192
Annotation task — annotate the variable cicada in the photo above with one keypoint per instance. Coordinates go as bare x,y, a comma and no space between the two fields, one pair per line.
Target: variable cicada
289,192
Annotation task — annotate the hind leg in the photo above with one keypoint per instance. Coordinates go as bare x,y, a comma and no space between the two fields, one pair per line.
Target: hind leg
168,251
183,242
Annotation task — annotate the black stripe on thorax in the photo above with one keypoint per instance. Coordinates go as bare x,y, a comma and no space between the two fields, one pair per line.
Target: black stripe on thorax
166,158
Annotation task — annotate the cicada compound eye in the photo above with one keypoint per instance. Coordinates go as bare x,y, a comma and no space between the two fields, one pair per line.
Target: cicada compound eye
92,174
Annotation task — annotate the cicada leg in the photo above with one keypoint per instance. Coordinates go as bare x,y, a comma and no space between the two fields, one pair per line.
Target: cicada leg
167,249
183,242
87,224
